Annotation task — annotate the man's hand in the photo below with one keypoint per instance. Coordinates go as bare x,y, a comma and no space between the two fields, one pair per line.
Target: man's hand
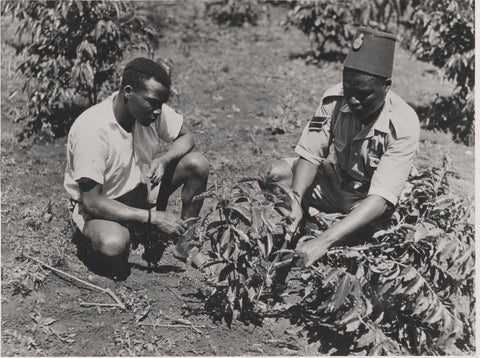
311,251
168,222
295,216
156,170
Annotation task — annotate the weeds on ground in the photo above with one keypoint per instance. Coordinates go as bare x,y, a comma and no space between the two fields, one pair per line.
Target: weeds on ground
17,343
23,278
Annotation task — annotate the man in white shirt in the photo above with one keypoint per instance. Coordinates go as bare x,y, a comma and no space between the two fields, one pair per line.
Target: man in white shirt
114,166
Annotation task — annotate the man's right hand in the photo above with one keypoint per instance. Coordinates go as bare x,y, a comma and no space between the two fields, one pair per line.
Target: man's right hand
168,222
295,216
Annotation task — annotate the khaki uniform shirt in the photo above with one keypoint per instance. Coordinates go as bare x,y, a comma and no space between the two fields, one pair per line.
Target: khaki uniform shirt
372,159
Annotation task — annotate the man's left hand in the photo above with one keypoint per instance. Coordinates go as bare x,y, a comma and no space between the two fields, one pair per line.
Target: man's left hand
156,171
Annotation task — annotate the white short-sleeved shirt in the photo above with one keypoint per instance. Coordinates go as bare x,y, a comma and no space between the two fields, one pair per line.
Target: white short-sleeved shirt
377,157
100,149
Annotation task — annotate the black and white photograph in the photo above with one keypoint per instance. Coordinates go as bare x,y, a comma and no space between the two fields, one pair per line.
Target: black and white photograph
237,178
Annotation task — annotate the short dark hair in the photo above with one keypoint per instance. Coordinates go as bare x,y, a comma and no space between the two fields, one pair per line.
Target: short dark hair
141,69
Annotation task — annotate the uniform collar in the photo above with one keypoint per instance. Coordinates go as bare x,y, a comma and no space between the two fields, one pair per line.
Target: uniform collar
381,124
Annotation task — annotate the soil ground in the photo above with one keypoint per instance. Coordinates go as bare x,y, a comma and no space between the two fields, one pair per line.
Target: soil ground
246,93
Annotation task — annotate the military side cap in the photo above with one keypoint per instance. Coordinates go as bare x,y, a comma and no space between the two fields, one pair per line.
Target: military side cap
372,52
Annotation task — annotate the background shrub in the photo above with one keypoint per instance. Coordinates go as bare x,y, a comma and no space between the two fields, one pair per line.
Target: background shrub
442,32
331,25
435,31
71,51
233,13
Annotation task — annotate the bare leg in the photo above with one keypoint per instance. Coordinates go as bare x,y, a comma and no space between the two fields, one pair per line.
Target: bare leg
280,172
191,171
109,244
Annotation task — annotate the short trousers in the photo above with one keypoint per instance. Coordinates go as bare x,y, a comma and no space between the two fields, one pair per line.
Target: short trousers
334,195
137,198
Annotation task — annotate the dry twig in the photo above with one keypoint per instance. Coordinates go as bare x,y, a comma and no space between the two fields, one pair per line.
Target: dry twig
194,328
87,304
119,303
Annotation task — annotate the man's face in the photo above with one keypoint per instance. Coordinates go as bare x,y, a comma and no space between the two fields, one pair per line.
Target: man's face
365,94
145,104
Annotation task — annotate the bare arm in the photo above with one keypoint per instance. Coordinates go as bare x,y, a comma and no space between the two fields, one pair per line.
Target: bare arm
371,208
96,204
303,176
179,147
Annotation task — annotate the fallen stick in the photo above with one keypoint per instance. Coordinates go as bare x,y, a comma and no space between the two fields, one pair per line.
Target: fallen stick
99,304
101,289
194,328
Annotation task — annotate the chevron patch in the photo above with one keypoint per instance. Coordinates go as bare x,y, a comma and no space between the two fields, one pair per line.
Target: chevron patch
316,124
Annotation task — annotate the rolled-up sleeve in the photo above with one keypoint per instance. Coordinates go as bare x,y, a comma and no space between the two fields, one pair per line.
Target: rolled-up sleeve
170,124
394,167
88,153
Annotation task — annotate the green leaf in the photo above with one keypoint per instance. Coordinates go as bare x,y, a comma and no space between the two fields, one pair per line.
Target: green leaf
387,287
225,272
331,274
225,239
436,313
409,274
242,212
421,304
366,339
341,293
353,325
261,247
414,287
241,234
269,245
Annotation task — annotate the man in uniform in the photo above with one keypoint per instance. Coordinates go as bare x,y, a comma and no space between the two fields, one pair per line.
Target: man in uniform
116,171
357,151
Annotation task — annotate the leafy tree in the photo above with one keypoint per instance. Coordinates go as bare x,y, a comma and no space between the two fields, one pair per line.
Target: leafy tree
71,50
442,32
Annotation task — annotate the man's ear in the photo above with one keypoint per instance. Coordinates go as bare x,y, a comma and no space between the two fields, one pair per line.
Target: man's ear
388,83
128,91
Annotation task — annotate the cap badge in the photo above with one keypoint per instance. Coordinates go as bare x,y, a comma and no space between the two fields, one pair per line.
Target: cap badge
358,42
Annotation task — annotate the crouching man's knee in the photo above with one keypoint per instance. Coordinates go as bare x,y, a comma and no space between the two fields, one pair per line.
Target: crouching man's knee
109,247
196,164
114,246
278,172
108,239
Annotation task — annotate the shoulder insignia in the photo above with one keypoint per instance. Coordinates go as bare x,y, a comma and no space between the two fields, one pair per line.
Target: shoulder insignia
316,124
